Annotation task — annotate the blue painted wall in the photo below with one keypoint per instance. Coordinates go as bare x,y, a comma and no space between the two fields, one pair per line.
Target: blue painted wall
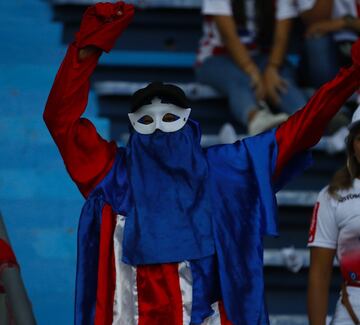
39,202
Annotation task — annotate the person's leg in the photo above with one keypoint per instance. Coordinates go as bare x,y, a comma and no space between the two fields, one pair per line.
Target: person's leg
320,60
222,74
294,98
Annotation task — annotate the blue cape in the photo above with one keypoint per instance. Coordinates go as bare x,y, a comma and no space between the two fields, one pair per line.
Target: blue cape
169,216
243,211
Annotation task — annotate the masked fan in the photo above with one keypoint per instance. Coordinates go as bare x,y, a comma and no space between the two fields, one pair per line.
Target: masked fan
171,233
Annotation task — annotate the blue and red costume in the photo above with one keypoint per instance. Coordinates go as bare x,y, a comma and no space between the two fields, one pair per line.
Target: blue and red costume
112,292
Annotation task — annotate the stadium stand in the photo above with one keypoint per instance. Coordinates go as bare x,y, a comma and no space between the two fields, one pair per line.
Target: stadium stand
39,202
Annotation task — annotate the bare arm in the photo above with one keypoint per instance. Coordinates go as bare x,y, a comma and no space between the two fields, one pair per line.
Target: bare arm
273,82
333,25
321,264
238,52
321,10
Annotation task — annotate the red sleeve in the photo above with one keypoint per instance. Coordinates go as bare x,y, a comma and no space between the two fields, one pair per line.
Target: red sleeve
304,128
87,156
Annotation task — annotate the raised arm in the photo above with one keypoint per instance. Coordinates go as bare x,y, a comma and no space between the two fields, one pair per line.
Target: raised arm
87,156
304,128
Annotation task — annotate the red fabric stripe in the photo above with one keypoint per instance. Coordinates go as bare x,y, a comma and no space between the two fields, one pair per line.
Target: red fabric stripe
223,318
159,294
7,255
313,223
106,270
218,50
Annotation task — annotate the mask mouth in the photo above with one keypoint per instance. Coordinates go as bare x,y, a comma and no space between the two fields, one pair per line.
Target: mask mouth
159,116
157,135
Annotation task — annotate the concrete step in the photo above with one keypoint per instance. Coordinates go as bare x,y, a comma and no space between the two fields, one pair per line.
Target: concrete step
47,263
167,29
294,303
193,90
148,59
29,155
25,10
292,320
146,65
26,213
140,3
36,41
24,89
32,129
26,97
26,184
286,291
143,73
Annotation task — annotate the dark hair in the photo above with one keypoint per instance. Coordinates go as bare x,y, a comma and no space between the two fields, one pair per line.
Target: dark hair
168,93
264,11
344,177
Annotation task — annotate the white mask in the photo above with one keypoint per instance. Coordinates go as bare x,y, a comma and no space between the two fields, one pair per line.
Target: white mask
157,111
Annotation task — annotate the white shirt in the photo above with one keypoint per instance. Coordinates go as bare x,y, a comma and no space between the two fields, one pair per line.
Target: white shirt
211,42
336,225
292,8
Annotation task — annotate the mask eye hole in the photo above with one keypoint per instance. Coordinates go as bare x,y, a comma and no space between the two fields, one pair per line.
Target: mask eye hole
146,120
168,117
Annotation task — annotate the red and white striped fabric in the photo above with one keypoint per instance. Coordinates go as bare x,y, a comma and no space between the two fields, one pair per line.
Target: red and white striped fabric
134,298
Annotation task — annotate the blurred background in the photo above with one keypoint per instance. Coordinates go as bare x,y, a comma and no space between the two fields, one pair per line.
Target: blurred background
40,204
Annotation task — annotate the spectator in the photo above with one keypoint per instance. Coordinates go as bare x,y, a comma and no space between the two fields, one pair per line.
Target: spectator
335,231
231,58
330,29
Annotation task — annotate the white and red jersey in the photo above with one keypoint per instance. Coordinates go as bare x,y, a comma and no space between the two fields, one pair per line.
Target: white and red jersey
292,8
211,42
336,225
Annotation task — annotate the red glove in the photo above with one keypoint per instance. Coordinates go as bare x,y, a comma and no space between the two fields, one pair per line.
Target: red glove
355,52
103,23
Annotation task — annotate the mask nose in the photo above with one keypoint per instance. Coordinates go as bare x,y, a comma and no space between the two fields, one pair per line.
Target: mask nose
157,123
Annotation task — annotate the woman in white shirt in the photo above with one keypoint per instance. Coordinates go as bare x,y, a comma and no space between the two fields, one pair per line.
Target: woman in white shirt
335,231
233,56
